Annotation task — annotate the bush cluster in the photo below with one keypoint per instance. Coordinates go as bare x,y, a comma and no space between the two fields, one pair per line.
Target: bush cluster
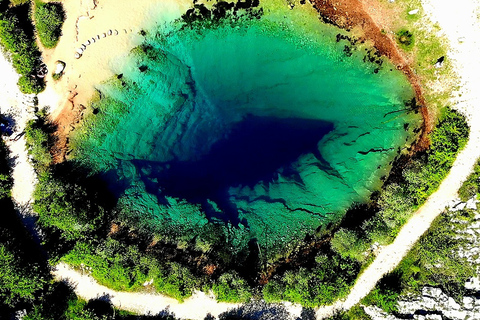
329,279
6,181
17,38
406,39
49,19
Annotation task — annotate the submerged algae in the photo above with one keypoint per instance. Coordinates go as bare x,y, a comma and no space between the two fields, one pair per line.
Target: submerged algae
265,124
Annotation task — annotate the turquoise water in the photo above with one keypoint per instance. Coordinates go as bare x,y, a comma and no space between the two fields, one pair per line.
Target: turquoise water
264,126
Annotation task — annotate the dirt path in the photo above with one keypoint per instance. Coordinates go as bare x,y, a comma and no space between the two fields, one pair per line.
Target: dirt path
196,307
458,21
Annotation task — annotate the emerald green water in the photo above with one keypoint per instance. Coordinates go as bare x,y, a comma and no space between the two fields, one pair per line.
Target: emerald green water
265,127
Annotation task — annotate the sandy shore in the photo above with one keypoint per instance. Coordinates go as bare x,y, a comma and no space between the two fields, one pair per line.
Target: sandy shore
85,19
102,58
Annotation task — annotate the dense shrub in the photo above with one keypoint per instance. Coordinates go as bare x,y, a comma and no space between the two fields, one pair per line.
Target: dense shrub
330,279
19,281
6,181
48,22
230,287
39,142
23,272
67,206
470,188
16,36
406,39
125,267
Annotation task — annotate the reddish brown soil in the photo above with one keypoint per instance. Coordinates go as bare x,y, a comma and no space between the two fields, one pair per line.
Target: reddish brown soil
351,14
69,117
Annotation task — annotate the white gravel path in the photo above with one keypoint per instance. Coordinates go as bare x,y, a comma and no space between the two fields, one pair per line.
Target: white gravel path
18,106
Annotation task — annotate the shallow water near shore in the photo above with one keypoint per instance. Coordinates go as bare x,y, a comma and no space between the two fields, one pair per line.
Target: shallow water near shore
269,126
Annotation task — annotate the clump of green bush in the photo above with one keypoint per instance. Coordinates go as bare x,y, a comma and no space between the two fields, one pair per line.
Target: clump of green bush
123,267
16,36
49,19
38,141
471,187
406,39
328,280
230,287
6,181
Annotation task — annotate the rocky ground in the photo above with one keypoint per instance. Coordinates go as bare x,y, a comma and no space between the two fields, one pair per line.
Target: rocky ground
433,303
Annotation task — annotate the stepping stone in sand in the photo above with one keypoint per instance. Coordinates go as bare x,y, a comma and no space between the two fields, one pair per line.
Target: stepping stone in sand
77,55
110,32
59,67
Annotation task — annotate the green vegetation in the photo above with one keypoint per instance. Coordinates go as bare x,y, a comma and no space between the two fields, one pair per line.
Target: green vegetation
329,279
57,76
79,220
49,19
433,261
230,287
405,39
6,181
471,187
17,38
25,280
39,141
125,268
355,313
23,272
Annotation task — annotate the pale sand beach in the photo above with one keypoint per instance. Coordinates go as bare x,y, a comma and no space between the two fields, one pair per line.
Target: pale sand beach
87,19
